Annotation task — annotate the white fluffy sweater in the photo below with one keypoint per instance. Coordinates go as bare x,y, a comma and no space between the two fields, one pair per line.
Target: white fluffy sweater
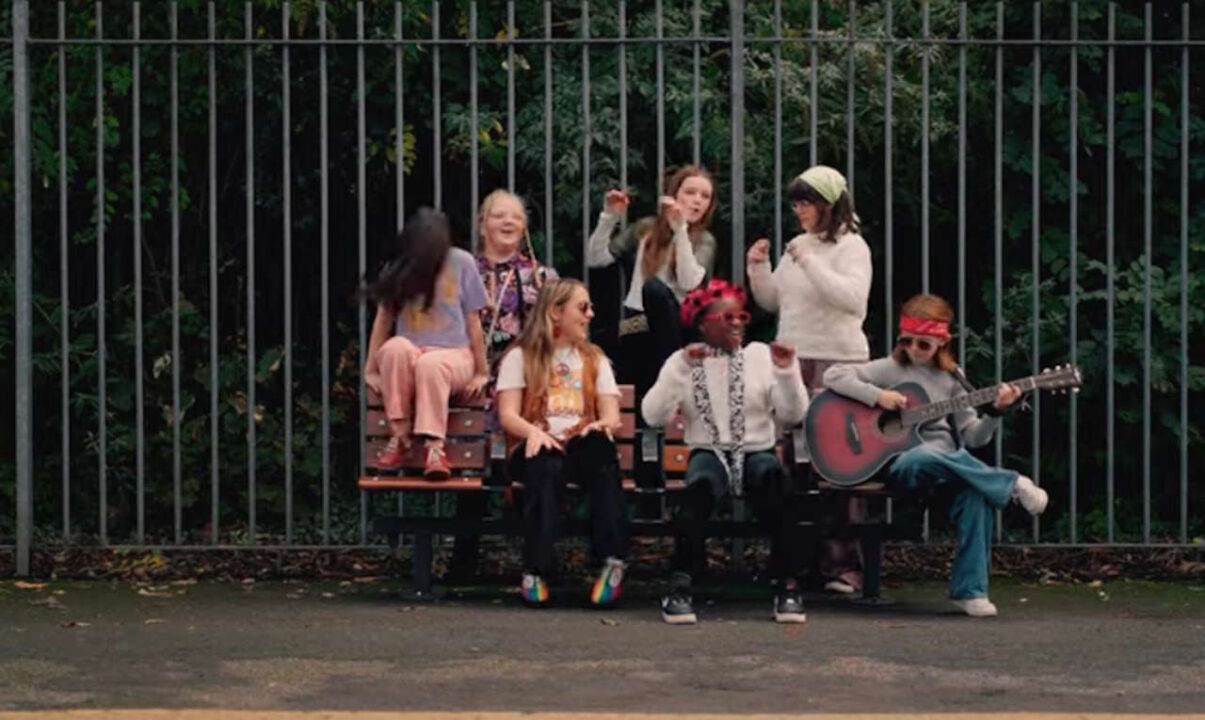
774,398
821,306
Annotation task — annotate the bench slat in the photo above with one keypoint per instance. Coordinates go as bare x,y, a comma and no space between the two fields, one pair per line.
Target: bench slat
461,423
462,454
377,483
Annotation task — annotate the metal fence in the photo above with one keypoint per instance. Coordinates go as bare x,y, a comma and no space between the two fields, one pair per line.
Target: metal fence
738,44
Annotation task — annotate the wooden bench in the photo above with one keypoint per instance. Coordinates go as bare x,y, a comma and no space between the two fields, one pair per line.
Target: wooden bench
478,462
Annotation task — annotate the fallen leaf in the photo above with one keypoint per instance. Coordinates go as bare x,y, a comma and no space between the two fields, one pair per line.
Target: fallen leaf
369,579
609,622
293,596
50,602
248,581
153,621
328,595
1095,583
74,623
145,592
187,581
22,585
60,592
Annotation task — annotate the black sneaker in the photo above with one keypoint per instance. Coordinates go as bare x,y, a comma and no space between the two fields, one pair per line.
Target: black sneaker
788,605
677,609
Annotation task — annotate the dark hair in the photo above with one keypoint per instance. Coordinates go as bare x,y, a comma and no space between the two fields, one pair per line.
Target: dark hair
834,219
412,265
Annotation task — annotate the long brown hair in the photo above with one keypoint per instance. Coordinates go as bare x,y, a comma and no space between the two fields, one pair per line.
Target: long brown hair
657,243
835,219
537,341
929,307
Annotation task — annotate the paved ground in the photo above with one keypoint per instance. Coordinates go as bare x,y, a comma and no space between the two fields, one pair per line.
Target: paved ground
1122,647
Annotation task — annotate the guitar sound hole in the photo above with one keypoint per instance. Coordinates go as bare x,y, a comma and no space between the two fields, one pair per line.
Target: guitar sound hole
890,425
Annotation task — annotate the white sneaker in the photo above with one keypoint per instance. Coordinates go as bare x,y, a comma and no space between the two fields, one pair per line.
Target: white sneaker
1030,496
840,586
977,607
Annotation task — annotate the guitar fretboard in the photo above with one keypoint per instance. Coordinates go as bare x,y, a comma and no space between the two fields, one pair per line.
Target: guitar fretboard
982,396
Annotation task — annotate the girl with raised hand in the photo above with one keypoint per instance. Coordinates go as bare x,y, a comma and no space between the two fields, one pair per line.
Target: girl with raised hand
922,355
820,290
558,400
735,402
675,252
426,342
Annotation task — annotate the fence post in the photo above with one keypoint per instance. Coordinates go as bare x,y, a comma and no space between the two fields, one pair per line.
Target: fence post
737,8
24,388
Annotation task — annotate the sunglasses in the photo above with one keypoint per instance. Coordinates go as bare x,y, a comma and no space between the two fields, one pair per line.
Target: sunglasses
585,307
922,344
731,317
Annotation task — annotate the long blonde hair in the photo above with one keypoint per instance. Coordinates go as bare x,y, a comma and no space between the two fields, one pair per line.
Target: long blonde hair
488,204
537,342
657,243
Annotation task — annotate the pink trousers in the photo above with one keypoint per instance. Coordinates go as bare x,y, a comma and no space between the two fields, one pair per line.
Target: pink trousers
422,380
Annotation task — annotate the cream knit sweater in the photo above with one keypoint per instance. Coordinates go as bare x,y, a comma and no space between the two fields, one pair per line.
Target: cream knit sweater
821,306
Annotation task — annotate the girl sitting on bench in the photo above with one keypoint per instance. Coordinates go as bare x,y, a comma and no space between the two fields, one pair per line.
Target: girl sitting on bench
735,402
428,295
922,356
557,398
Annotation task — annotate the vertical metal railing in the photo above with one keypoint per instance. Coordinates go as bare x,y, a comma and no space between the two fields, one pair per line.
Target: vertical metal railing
799,36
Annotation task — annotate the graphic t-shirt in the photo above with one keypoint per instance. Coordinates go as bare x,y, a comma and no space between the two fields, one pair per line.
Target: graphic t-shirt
566,395
459,292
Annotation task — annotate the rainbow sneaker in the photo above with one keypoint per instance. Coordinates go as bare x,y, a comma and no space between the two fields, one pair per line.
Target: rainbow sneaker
534,590
609,585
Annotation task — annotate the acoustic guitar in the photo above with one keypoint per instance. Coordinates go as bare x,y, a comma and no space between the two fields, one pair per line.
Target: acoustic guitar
850,442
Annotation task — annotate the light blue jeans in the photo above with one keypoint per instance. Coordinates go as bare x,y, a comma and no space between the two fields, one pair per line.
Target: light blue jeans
983,489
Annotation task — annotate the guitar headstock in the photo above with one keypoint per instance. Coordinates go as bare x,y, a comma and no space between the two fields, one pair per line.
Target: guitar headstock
1061,379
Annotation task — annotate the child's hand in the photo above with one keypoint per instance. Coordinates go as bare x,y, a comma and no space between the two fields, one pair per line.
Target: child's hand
759,253
782,355
616,202
372,375
673,213
597,426
695,353
539,440
1006,396
892,400
798,254
476,386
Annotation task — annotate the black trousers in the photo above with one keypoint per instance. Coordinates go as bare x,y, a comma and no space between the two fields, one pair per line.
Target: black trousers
591,463
768,492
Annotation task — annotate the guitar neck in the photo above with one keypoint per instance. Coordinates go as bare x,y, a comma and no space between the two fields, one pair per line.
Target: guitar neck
982,396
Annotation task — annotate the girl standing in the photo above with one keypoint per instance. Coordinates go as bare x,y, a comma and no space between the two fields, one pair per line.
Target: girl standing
428,296
820,291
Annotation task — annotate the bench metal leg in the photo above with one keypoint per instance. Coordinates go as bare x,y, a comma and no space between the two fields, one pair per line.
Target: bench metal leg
871,540
421,568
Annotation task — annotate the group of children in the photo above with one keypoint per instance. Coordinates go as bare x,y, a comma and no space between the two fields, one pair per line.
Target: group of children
449,323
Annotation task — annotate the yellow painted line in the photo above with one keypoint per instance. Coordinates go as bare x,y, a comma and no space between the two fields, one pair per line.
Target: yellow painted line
196,714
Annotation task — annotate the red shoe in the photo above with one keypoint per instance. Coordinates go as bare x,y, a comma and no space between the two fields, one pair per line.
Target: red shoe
437,467
393,456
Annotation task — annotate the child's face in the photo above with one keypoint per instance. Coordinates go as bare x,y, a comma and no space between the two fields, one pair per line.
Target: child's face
694,197
503,226
723,325
574,318
920,348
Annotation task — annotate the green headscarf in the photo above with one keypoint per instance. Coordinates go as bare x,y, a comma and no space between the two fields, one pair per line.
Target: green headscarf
826,181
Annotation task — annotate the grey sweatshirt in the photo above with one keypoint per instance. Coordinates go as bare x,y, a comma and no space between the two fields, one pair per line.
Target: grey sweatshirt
865,381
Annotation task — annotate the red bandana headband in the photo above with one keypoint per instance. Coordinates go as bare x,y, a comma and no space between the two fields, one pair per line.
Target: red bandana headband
932,328
701,297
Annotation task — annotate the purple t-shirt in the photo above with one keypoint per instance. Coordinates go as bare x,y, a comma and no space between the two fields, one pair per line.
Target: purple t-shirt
459,293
